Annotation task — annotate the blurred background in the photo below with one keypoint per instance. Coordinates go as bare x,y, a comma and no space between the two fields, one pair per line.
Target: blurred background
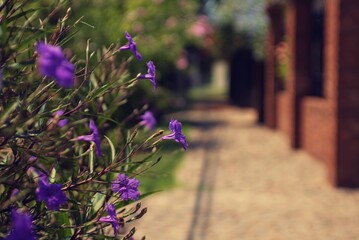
269,87
188,40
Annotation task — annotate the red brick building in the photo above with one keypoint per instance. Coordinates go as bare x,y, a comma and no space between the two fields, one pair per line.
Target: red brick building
316,101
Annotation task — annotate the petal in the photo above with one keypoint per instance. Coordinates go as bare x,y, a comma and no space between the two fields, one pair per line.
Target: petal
133,183
52,203
116,227
128,36
21,227
48,67
62,123
65,74
59,112
88,138
133,194
169,136
122,178
124,196
47,49
93,126
151,68
50,57
111,210
153,81
177,126
98,149
184,145
138,55
171,125
105,219
125,47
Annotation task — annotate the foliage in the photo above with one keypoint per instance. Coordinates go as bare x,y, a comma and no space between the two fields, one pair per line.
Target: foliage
244,23
62,147
159,25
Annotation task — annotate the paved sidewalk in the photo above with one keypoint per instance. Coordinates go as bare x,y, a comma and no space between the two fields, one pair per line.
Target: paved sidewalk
242,181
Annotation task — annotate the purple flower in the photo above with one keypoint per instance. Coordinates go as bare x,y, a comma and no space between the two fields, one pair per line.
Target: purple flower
176,129
148,120
131,46
111,218
93,137
126,188
151,74
54,64
51,194
21,227
61,123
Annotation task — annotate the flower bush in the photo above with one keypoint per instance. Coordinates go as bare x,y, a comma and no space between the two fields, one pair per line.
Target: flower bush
61,176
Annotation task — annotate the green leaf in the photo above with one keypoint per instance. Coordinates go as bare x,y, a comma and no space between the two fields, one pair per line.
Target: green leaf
144,165
69,37
98,92
53,174
10,19
97,201
63,220
113,151
4,115
91,160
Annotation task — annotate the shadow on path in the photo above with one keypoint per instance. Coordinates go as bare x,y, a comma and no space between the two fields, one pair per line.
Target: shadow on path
204,194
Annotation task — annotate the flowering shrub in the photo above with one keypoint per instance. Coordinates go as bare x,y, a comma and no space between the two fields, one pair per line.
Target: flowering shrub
61,176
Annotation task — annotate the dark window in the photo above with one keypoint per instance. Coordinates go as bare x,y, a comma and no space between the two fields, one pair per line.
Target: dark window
316,48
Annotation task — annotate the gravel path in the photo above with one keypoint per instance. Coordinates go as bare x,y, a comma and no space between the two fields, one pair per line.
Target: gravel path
242,181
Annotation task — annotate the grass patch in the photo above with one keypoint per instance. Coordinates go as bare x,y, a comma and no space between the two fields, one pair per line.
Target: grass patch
207,92
162,176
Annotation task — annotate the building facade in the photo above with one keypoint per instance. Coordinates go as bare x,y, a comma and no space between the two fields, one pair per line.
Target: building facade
311,83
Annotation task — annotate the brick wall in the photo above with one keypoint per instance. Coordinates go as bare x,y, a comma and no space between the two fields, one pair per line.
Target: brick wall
326,127
274,36
348,94
298,80
318,128
284,123
331,81
330,125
